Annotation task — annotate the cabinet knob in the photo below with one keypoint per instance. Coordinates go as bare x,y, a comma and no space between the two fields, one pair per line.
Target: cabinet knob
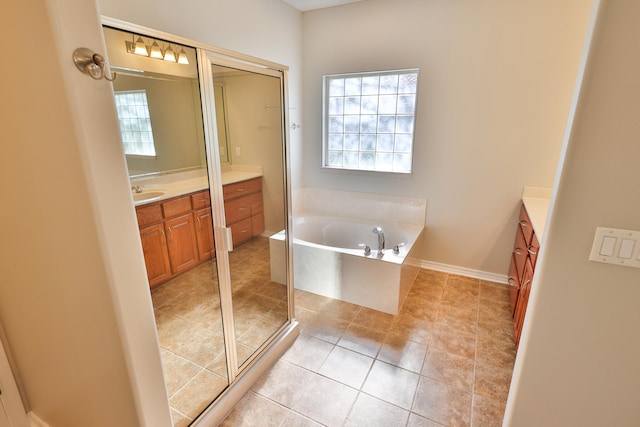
524,223
531,251
517,251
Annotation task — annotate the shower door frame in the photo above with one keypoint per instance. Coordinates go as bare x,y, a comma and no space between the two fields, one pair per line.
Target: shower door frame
240,378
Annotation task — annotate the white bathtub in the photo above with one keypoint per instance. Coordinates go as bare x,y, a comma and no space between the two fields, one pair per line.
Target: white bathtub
331,229
330,260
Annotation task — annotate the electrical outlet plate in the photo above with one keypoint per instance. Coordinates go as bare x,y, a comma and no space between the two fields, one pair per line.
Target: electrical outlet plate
615,246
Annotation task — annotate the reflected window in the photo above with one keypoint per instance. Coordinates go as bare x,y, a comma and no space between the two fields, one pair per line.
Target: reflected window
135,122
368,120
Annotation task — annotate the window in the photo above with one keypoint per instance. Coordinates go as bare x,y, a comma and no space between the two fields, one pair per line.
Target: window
135,122
368,120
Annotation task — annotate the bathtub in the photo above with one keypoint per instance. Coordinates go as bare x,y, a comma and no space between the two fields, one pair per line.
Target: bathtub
331,229
330,260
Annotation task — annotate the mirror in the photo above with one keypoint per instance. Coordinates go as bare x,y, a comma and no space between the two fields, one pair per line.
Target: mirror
173,140
257,263
161,123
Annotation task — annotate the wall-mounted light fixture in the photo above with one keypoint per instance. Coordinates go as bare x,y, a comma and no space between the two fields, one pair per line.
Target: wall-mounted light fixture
153,50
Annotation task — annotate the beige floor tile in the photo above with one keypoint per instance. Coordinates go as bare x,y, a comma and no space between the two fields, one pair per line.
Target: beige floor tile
492,382
446,404
455,331
340,309
371,412
308,352
422,308
362,340
398,351
296,420
391,384
325,400
328,329
347,367
310,301
255,410
283,383
195,396
374,319
412,328
178,371
449,368
416,420
179,420
487,412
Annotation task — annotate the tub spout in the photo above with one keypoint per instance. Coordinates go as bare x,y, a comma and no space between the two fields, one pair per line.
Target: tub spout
380,233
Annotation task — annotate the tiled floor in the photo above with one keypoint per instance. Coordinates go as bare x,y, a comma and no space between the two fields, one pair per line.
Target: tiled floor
446,359
189,323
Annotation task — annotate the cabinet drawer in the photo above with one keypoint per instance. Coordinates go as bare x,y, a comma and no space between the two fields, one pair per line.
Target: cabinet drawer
148,214
525,223
237,210
520,252
514,283
239,189
201,200
241,232
176,206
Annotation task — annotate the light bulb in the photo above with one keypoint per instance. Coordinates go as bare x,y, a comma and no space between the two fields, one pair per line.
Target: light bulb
169,55
182,57
155,51
140,48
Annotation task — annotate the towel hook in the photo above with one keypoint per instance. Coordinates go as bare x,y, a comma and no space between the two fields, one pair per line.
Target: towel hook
91,63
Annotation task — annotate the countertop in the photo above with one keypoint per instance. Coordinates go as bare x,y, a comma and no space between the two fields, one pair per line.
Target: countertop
186,186
536,201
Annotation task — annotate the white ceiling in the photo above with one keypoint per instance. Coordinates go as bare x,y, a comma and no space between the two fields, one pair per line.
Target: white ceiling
304,5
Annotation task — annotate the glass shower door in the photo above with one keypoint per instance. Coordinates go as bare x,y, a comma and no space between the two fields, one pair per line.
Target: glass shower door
253,181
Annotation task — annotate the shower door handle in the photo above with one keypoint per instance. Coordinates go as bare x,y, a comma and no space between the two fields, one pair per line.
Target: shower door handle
229,237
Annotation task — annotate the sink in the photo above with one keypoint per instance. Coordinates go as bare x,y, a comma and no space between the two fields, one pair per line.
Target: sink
147,195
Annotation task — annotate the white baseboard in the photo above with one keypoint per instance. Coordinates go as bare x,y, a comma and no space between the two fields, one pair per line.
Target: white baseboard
467,272
34,421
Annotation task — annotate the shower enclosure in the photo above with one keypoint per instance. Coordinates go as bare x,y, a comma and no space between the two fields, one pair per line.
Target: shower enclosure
204,134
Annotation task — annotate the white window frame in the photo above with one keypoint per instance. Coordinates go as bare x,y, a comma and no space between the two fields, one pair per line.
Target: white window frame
377,140
133,140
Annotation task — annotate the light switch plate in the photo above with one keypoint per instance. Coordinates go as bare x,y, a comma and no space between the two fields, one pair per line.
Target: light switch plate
615,246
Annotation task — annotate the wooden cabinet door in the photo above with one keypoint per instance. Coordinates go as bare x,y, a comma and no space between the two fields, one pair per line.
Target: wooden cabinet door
514,283
181,240
156,255
204,233
523,301
241,232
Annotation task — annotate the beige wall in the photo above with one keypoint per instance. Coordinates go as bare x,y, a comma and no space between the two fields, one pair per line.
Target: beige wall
256,131
267,29
74,298
69,246
578,364
495,88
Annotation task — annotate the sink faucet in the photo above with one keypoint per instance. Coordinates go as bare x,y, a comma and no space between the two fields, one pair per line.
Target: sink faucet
136,189
380,233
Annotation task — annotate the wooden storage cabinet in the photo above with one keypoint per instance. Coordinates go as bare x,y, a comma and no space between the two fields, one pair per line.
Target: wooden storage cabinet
521,270
174,236
244,209
177,233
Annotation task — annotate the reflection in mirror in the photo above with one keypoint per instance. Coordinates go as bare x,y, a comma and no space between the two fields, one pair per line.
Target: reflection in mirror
161,123
255,205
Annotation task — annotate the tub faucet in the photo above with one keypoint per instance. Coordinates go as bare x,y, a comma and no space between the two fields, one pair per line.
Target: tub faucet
380,233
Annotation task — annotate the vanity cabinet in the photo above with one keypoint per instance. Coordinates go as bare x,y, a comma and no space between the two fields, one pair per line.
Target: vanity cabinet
177,233
244,209
521,270
168,231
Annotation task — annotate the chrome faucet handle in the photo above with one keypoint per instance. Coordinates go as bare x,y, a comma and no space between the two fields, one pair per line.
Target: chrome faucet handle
137,189
367,249
396,248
